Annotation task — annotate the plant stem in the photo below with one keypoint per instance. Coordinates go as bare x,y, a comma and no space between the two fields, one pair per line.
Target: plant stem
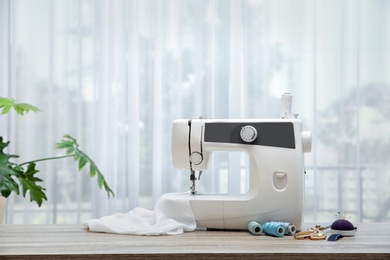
46,159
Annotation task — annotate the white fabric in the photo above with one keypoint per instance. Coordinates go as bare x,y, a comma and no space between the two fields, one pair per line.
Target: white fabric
172,215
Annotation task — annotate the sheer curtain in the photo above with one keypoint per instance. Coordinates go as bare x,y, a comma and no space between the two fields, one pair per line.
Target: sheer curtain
115,74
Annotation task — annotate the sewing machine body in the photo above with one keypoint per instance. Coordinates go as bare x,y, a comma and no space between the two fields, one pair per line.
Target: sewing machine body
276,180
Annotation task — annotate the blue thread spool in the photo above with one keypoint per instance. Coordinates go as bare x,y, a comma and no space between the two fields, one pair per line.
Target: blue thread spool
290,229
274,229
255,228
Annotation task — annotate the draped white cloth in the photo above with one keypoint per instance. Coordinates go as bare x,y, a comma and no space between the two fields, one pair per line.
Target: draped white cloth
172,215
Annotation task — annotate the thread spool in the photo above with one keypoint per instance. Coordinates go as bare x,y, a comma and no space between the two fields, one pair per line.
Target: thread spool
285,105
274,229
289,228
255,228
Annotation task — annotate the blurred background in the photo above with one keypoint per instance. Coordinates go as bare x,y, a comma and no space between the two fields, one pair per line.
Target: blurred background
115,74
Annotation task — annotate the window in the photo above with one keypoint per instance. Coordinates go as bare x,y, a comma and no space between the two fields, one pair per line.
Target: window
115,74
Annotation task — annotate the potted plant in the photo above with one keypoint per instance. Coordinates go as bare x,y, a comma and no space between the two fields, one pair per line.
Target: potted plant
21,178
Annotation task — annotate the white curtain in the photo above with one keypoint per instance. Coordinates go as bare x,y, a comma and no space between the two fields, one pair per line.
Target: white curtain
115,74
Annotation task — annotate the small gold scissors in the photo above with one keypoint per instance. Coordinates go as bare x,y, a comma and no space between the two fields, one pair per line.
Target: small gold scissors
316,233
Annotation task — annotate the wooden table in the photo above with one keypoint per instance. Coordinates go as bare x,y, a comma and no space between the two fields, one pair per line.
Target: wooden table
372,240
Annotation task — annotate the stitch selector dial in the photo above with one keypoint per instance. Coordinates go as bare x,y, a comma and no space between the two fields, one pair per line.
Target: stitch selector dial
196,158
248,133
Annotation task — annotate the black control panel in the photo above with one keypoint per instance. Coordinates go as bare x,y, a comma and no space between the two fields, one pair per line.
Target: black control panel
277,134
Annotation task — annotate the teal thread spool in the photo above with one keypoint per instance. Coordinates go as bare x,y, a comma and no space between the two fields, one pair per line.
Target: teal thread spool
289,228
274,229
255,228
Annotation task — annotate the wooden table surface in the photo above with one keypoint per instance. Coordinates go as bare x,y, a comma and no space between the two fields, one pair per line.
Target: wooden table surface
372,240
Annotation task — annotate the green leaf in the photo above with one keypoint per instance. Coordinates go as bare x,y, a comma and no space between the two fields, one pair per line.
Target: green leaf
7,185
100,180
23,107
29,183
71,146
6,109
82,162
108,190
71,139
92,169
8,171
7,103
63,145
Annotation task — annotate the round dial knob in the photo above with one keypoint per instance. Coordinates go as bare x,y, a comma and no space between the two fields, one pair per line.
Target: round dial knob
248,133
196,158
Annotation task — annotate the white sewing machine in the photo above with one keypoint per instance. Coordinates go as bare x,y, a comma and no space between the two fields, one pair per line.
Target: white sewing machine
276,182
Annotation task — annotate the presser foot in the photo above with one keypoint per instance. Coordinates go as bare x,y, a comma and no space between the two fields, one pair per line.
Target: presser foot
193,180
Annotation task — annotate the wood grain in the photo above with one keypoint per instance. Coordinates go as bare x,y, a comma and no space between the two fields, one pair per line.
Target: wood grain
372,240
